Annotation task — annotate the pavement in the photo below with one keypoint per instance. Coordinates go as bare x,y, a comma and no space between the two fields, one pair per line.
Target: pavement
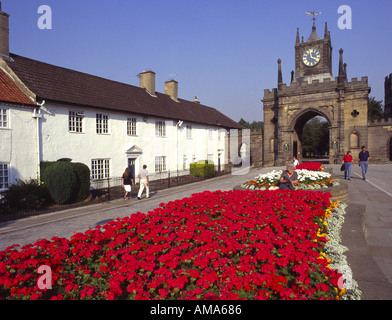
367,231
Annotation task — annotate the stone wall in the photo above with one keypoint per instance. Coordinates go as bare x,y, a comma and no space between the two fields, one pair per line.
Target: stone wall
256,148
379,142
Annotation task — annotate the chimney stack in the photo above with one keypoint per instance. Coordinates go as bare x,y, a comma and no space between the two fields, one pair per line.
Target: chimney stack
147,81
171,89
4,34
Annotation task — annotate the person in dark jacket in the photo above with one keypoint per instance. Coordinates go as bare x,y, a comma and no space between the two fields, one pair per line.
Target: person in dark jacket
363,161
127,182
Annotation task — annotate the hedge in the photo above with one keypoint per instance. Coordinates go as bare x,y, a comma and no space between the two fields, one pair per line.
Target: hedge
203,169
67,182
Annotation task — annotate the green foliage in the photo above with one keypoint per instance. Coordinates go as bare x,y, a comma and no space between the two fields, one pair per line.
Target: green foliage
83,180
255,125
315,136
203,169
82,186
43,166
375,109
61,181
26,195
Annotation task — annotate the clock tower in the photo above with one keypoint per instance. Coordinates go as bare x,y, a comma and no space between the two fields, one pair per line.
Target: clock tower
312,92
313,57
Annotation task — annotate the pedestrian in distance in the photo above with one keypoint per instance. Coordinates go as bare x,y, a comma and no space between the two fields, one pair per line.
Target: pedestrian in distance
143,176
295,161
127,182
363,161
347,161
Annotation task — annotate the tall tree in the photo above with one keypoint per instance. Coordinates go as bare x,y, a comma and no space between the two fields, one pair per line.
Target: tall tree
375,109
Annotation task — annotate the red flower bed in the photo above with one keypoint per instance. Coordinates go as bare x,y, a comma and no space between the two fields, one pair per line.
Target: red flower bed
220,245
311,166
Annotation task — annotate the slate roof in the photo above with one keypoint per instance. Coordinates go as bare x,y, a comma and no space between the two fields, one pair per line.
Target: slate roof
9,92
53,83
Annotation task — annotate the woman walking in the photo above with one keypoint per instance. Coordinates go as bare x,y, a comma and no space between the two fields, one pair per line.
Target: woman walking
347,161
127,181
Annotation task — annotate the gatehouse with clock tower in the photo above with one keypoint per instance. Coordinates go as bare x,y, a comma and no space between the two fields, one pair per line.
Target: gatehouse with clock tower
313,91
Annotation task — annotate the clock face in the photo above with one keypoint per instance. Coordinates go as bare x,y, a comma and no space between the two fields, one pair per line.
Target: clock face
311,57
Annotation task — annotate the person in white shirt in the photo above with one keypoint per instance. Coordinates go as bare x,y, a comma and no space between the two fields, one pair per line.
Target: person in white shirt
143,176
295,162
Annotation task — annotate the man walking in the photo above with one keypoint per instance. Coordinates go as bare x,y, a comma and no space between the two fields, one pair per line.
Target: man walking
363,161
143,176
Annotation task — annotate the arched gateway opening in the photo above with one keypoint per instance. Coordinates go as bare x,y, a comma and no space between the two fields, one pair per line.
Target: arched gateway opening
311,137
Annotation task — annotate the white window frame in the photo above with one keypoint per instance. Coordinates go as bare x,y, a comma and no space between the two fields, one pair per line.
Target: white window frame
75,121
4,175
102,123
210,131
4,118
131,126
160,163
100,169
189,131
184,162
160,128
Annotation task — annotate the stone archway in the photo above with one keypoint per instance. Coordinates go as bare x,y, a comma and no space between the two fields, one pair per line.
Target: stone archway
314,90
296,127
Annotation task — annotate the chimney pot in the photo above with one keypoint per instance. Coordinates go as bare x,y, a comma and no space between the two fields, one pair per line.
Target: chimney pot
147,81
171,89
4,34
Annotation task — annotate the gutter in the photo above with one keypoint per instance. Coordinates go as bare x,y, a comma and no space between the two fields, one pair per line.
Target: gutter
38,115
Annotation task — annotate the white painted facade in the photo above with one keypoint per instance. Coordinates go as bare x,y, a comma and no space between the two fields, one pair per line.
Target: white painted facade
18,144
71,132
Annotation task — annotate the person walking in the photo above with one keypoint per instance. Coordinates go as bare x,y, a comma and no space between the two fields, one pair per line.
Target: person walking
127,182
347,161
363,161
143,176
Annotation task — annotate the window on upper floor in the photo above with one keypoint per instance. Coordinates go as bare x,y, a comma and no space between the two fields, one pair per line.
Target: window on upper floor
210,131
188,131
4,118
75,121
102,121
160,128
131,127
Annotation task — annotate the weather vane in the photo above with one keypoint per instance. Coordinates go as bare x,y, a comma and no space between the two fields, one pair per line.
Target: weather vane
314,14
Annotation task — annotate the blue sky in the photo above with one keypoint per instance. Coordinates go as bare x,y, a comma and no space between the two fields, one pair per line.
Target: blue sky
222,51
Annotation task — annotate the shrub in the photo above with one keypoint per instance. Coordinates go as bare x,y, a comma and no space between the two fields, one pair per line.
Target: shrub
43,166
83,180
61,181
26,195
203,169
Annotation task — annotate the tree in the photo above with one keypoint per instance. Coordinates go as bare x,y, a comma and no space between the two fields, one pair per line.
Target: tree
255,125
375,109
315,137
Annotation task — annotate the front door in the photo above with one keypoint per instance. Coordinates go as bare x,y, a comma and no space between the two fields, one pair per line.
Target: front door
131,166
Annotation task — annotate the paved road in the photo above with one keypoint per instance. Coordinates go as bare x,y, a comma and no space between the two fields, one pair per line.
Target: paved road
368,237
